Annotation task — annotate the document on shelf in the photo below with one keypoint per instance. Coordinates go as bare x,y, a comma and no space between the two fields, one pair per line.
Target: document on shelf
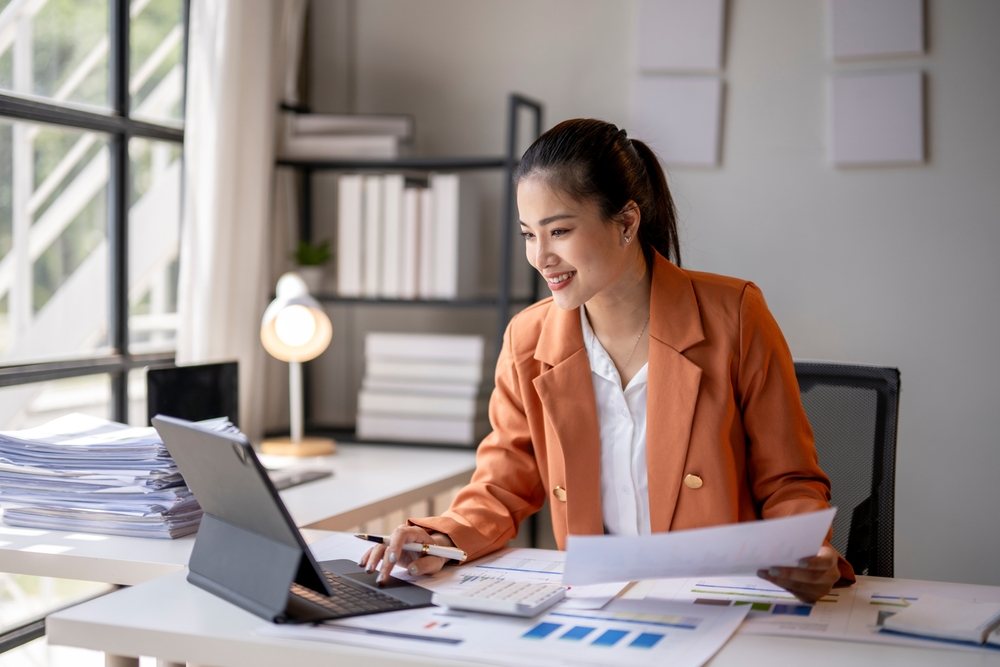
633,632
739,548
856,613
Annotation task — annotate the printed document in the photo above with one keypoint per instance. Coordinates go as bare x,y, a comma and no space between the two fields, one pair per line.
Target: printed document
632,632
739,548
853,614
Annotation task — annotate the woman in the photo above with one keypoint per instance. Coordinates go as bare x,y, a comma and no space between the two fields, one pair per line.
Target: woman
641,397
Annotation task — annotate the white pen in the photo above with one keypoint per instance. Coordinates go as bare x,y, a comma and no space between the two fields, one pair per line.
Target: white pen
426,549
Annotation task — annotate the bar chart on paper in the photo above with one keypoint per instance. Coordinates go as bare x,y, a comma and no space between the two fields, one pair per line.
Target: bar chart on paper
771,608
633,632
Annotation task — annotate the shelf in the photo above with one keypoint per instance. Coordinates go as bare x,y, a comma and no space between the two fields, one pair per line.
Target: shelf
402,163
433,303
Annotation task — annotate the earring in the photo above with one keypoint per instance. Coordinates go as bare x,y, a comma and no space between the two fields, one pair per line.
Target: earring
628,240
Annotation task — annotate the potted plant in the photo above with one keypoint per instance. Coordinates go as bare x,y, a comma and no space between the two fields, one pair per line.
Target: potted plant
310,258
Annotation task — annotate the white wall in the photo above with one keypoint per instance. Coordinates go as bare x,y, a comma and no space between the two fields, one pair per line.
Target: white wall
889,266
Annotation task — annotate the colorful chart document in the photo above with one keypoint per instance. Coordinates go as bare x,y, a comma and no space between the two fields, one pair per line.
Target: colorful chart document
855,613
626,632
739,548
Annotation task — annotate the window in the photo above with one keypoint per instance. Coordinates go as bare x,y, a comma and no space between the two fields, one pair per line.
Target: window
91,136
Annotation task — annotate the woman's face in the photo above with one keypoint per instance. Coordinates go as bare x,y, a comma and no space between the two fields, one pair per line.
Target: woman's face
576,250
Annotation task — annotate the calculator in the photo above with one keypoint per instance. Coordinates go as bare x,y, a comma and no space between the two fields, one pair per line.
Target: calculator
497,596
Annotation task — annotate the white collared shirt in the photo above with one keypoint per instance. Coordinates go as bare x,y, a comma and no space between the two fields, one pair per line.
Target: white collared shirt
622,418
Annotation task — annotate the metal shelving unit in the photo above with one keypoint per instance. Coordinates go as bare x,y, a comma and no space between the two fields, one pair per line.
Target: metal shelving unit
506,163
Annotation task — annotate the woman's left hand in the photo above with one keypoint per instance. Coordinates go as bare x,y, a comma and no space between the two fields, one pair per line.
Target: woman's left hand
811,580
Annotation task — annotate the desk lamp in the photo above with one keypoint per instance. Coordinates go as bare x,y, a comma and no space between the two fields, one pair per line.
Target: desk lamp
295,329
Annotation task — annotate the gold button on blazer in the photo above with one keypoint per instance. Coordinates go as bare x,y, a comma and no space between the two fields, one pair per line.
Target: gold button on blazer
722,400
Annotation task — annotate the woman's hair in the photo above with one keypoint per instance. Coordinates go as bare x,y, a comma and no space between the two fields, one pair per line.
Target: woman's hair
593,160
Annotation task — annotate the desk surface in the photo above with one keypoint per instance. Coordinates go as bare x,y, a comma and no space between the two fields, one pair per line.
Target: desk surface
173,620
368,482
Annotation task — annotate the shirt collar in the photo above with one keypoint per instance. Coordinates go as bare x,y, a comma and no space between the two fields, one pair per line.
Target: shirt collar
600,360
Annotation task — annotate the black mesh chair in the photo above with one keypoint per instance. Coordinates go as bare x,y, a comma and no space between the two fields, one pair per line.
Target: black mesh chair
854,411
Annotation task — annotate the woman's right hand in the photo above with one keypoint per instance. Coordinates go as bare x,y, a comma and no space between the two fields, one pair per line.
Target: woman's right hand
392,554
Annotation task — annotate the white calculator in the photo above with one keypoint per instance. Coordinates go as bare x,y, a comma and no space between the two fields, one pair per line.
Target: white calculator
496,596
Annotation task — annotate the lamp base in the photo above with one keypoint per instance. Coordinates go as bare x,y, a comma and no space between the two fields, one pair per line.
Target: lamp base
308,446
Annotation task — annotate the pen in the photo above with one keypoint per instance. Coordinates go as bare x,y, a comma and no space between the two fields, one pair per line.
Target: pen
426,549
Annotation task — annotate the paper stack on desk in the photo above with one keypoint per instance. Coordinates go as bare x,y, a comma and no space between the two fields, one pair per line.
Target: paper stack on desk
88,474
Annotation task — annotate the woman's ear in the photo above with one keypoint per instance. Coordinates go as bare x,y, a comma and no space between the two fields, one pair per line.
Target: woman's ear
628,219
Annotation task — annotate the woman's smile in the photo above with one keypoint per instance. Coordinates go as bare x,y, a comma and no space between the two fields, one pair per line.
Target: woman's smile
560,280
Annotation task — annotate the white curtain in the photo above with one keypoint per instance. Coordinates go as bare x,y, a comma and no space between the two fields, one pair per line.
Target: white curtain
236,78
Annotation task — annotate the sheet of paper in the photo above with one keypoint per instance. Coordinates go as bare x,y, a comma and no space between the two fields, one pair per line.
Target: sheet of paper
540,566
844,614
633,632
739,548
773,610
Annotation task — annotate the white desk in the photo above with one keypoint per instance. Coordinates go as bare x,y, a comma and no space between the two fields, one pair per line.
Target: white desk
368,482
178,622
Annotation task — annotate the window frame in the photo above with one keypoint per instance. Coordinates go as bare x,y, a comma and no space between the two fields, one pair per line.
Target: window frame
121,127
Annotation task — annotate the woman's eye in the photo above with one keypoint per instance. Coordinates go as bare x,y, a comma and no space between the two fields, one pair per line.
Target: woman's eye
559,232
527,235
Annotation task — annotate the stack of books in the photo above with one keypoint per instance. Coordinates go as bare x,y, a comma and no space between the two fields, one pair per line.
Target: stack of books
83,473
423,388
320,137
397,239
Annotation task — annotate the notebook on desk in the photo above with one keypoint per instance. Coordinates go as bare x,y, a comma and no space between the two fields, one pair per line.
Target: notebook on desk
248,550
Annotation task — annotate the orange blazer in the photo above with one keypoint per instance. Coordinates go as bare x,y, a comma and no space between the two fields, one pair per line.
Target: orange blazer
722,404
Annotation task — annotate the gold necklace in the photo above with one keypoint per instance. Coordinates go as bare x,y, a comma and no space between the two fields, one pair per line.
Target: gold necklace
625,365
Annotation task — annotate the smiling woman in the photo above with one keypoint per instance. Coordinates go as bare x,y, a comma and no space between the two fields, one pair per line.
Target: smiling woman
641,397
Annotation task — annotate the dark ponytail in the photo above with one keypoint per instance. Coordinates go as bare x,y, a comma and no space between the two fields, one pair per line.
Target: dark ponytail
593,160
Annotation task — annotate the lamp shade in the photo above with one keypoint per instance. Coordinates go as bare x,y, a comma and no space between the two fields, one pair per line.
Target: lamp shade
294,326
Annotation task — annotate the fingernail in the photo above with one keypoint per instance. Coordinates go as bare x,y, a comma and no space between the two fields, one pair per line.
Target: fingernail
392,558
803,563
762,573
380,579
413,570
774,572
361,563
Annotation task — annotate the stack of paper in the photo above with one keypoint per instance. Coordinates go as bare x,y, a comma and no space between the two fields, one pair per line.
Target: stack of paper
88,474
422,388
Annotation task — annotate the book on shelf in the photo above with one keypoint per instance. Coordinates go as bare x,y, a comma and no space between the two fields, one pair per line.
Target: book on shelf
397,241
400,126
418,429
425,249
433,371
426,347
423,388
344,136
456,236
420,387
350,241
409,278
392,236
402,403
371,286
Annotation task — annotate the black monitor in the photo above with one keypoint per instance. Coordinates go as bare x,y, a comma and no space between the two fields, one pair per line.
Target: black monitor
194,393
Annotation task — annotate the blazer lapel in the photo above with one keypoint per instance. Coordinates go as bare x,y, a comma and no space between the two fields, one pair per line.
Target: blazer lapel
566,391
672,390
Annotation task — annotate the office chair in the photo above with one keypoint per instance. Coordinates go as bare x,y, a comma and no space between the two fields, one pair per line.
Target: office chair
202,391
854,411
